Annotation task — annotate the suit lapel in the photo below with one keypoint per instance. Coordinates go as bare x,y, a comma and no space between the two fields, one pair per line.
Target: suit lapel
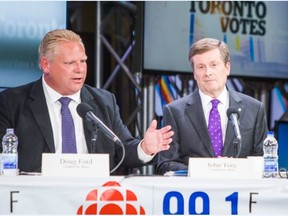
39,109
86,97
234,101
195,114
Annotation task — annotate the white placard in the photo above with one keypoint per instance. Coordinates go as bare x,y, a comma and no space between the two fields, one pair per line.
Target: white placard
75,165
227,168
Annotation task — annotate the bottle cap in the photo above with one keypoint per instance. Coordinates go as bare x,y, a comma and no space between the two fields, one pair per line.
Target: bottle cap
10,130
270,133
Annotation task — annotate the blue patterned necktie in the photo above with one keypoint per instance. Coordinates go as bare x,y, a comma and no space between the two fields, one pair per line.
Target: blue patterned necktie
214,128
68,130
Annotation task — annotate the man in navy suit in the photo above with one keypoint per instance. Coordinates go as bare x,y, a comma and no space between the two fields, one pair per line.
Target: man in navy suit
33,110
188,116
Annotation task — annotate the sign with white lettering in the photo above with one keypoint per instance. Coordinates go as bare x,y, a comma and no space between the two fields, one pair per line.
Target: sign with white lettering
23,25
240,168
75,165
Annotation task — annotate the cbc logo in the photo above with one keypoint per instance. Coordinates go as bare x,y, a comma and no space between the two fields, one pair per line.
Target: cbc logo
111,199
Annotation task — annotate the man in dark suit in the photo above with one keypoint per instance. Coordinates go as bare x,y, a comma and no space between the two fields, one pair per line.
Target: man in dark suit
33,110
189,116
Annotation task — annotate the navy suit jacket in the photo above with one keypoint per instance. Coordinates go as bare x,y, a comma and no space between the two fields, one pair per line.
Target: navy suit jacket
24,109
191,138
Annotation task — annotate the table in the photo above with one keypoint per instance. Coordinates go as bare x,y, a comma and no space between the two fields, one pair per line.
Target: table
149,195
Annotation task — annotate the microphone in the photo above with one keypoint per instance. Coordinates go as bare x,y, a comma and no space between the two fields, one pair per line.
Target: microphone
233,115
85,111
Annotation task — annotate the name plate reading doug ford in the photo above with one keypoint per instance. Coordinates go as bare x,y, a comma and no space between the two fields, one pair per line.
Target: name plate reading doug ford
75,165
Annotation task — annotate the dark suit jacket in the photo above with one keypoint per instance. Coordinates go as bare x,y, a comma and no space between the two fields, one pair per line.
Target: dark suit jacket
191,138
24,109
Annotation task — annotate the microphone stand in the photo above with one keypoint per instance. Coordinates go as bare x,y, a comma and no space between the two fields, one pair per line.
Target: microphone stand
237,147
93,146
94,138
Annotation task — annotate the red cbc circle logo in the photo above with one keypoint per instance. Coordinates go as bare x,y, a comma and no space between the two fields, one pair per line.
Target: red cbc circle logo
111,199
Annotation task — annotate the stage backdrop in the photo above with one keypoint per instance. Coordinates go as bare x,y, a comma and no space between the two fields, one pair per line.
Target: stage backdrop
256,32
23,24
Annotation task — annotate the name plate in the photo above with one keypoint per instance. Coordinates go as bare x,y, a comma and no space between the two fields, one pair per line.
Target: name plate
75,165
227,168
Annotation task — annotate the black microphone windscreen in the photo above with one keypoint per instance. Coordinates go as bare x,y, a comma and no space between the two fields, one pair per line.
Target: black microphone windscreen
83,108
231,110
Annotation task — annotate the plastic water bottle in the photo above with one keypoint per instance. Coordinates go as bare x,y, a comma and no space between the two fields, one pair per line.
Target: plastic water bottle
270,149
9,154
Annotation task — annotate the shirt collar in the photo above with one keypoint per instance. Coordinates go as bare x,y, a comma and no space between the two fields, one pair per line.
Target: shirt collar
53,96
223,97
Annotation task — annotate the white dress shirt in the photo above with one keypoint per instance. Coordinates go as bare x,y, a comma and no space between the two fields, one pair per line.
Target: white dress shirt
54,108
222,108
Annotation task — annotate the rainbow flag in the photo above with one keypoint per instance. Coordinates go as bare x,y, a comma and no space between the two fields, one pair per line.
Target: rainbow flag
166,91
